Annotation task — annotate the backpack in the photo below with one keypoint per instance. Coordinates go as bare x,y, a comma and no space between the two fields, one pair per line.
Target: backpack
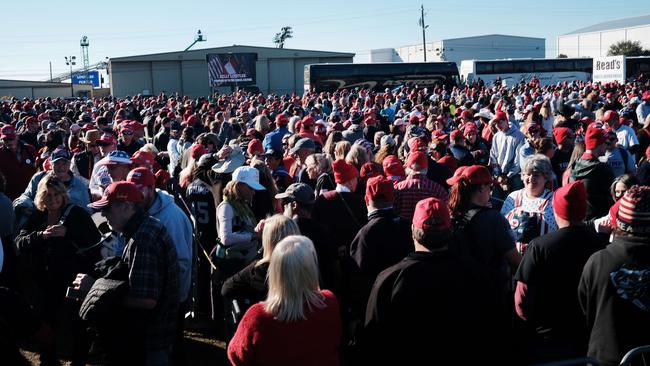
464,245
528,225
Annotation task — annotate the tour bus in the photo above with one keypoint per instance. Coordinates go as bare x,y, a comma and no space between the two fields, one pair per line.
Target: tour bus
379,76
548,71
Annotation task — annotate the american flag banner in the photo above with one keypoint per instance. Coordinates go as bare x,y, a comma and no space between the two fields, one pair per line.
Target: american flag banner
226,69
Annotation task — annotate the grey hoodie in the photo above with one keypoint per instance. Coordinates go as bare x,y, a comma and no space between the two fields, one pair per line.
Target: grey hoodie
179,229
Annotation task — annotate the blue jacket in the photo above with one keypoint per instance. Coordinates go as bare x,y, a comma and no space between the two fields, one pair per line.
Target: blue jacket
273,139
179,229
77,190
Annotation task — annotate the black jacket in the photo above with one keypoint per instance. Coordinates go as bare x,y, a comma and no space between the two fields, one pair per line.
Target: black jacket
597,178
613,295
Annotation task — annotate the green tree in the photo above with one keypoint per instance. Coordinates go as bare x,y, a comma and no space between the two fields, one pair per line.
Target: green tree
627,48
280,38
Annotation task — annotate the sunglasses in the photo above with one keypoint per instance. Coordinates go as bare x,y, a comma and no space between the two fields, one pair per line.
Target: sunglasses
125,133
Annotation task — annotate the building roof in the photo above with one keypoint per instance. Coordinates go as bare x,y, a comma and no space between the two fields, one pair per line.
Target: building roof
493,35
615,24
200,53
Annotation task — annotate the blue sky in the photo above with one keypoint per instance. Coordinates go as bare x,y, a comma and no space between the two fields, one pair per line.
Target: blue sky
49,31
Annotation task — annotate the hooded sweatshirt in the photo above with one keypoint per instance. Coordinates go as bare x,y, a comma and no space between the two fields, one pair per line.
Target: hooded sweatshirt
504,151
613,295
597,178
179,229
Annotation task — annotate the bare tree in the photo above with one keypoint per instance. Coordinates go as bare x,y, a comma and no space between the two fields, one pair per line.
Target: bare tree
285,33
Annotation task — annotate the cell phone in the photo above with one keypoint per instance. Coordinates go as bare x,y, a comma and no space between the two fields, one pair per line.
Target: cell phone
74,293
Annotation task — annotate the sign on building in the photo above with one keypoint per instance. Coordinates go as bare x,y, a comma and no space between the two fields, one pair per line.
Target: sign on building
231,69
609,69
90,77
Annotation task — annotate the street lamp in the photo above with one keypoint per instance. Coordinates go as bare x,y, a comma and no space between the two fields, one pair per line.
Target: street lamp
70,61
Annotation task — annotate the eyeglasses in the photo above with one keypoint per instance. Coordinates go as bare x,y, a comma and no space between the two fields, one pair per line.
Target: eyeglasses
125,133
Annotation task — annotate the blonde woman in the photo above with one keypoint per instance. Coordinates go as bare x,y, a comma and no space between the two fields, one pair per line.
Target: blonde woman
298,323
59,240
341,149
357,156
250,283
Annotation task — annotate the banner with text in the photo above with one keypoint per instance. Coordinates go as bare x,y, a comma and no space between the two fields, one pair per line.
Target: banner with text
609,69
226,69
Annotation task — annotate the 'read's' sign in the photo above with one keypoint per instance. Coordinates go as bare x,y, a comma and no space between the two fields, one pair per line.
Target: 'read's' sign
609,69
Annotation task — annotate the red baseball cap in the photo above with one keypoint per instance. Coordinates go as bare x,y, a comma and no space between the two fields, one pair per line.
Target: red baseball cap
501,115
107,139
645,95
197,150
417,158
473,175
142,176
469,128
610,115
281,119
393,166
439,135
380,189
416,144
119,192
594,137
561,133
431,214
142,157
8,132
455,134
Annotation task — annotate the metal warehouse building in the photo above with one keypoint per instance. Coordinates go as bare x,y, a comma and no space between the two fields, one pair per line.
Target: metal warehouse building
594,41
41,89
278,70
484,47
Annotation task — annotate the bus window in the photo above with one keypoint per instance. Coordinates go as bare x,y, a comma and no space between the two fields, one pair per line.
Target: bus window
484,68
523,66
564,65
543,66
585,65
503,67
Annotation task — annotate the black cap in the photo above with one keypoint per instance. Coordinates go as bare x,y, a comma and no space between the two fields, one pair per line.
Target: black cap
272,153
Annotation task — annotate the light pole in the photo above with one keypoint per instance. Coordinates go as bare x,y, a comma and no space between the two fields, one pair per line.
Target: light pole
70,61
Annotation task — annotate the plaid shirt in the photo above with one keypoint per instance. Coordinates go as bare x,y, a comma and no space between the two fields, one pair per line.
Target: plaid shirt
413,189
153,274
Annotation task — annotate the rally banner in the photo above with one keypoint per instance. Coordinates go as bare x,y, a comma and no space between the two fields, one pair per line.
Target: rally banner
226,69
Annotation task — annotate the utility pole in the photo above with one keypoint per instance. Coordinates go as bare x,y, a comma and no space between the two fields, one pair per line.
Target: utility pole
50,71
424,26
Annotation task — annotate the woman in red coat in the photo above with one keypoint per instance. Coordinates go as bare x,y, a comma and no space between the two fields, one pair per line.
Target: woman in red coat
298,324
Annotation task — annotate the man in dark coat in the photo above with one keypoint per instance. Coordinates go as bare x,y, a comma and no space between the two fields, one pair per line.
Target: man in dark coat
382,242
613,290
597,176
548,276
428,307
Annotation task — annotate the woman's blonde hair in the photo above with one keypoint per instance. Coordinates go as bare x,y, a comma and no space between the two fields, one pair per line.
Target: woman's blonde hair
262,124
341,149
276,228
357,156
241,207
293,280
50,181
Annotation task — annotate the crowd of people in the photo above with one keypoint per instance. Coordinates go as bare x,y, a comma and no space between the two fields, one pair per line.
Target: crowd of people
473,224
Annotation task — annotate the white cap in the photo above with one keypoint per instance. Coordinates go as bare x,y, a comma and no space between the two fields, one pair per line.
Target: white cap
248,175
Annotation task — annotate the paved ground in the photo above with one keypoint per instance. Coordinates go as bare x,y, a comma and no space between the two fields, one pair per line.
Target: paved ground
202,345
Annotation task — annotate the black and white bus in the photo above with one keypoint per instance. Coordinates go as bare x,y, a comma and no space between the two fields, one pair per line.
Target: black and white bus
379,76
548,71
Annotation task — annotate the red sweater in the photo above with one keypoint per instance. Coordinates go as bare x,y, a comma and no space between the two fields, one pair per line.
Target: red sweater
262,340
18,169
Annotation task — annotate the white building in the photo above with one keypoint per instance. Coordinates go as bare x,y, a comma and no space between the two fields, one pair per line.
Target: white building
486,47
595,40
